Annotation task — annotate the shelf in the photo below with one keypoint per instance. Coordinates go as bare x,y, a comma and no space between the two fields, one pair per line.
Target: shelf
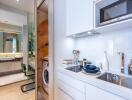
115,26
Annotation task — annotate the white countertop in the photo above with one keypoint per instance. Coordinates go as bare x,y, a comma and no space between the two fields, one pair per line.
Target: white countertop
92,80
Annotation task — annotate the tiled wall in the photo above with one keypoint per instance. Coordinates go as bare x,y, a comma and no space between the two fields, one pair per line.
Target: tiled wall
93,47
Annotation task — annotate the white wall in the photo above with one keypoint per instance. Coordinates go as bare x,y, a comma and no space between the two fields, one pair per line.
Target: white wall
63,46
13,18
93,47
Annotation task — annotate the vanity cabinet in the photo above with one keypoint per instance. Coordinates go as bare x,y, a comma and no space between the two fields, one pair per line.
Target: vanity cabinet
94,93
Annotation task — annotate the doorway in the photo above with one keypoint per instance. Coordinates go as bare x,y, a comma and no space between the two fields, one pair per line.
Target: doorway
42,51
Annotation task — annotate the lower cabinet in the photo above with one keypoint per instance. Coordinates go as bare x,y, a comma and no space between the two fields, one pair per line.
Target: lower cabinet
62,95
94,93
72,92
73,89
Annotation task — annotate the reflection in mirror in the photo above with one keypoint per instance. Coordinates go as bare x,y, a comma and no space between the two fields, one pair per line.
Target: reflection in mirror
10,38
10,42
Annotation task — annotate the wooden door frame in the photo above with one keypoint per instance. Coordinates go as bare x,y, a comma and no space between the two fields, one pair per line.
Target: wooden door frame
51,47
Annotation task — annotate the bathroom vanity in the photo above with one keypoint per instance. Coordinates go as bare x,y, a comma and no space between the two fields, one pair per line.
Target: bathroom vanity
10,63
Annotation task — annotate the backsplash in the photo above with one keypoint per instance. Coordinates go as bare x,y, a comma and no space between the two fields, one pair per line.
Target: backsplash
93,47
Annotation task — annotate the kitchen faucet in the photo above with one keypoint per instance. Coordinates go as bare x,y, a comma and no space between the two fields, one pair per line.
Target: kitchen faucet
107,60
76,56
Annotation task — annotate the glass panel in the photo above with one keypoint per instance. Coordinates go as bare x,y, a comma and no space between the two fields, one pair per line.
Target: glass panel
115,11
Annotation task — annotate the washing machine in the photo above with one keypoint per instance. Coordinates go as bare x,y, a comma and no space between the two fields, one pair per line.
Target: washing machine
45,74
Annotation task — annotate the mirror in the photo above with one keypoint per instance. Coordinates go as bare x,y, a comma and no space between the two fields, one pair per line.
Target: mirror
10,42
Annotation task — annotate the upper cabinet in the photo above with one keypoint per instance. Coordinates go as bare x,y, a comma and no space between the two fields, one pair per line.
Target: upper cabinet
79,16
86,17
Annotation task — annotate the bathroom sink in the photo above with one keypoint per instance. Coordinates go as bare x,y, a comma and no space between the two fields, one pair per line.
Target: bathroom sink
117,79
74,68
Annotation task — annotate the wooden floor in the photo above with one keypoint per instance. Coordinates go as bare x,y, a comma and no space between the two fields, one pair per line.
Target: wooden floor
42,95
13,92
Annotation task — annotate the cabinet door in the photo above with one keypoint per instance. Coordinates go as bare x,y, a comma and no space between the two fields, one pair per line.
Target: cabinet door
61,95
74,93
93,93
80,15
71,86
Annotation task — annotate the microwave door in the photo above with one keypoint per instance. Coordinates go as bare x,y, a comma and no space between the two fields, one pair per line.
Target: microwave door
115,12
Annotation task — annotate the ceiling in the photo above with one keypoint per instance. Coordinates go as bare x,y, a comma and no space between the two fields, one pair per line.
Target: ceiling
43,6
24,5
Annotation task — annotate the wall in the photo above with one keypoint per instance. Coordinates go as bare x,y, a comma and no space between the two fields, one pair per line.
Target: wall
93,47
63,46
13,18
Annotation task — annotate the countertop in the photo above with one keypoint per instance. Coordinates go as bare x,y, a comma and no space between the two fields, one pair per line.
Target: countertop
92,80
11,60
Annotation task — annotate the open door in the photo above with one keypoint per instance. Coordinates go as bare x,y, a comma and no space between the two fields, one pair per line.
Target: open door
42,51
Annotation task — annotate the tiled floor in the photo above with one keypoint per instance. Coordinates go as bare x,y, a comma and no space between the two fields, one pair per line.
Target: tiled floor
13,92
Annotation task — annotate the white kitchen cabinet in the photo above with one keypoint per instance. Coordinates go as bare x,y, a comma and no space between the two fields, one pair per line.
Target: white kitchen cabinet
94,93
74,88
61,95
79,16
71,82
74,16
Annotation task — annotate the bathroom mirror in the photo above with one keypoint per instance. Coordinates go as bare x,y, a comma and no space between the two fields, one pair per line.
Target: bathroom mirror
10,36
10,42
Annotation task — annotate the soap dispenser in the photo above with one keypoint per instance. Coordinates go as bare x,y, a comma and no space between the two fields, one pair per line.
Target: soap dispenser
130,67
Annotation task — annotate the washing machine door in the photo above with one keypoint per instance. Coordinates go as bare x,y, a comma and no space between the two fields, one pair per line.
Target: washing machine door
46,76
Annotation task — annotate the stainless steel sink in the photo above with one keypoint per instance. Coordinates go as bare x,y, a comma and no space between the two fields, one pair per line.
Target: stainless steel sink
117,79
74,68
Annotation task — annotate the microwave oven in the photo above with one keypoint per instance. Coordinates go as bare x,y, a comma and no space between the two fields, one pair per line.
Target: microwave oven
115,12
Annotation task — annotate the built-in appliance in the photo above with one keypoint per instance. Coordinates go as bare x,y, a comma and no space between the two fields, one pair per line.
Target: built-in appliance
115,12
45,74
